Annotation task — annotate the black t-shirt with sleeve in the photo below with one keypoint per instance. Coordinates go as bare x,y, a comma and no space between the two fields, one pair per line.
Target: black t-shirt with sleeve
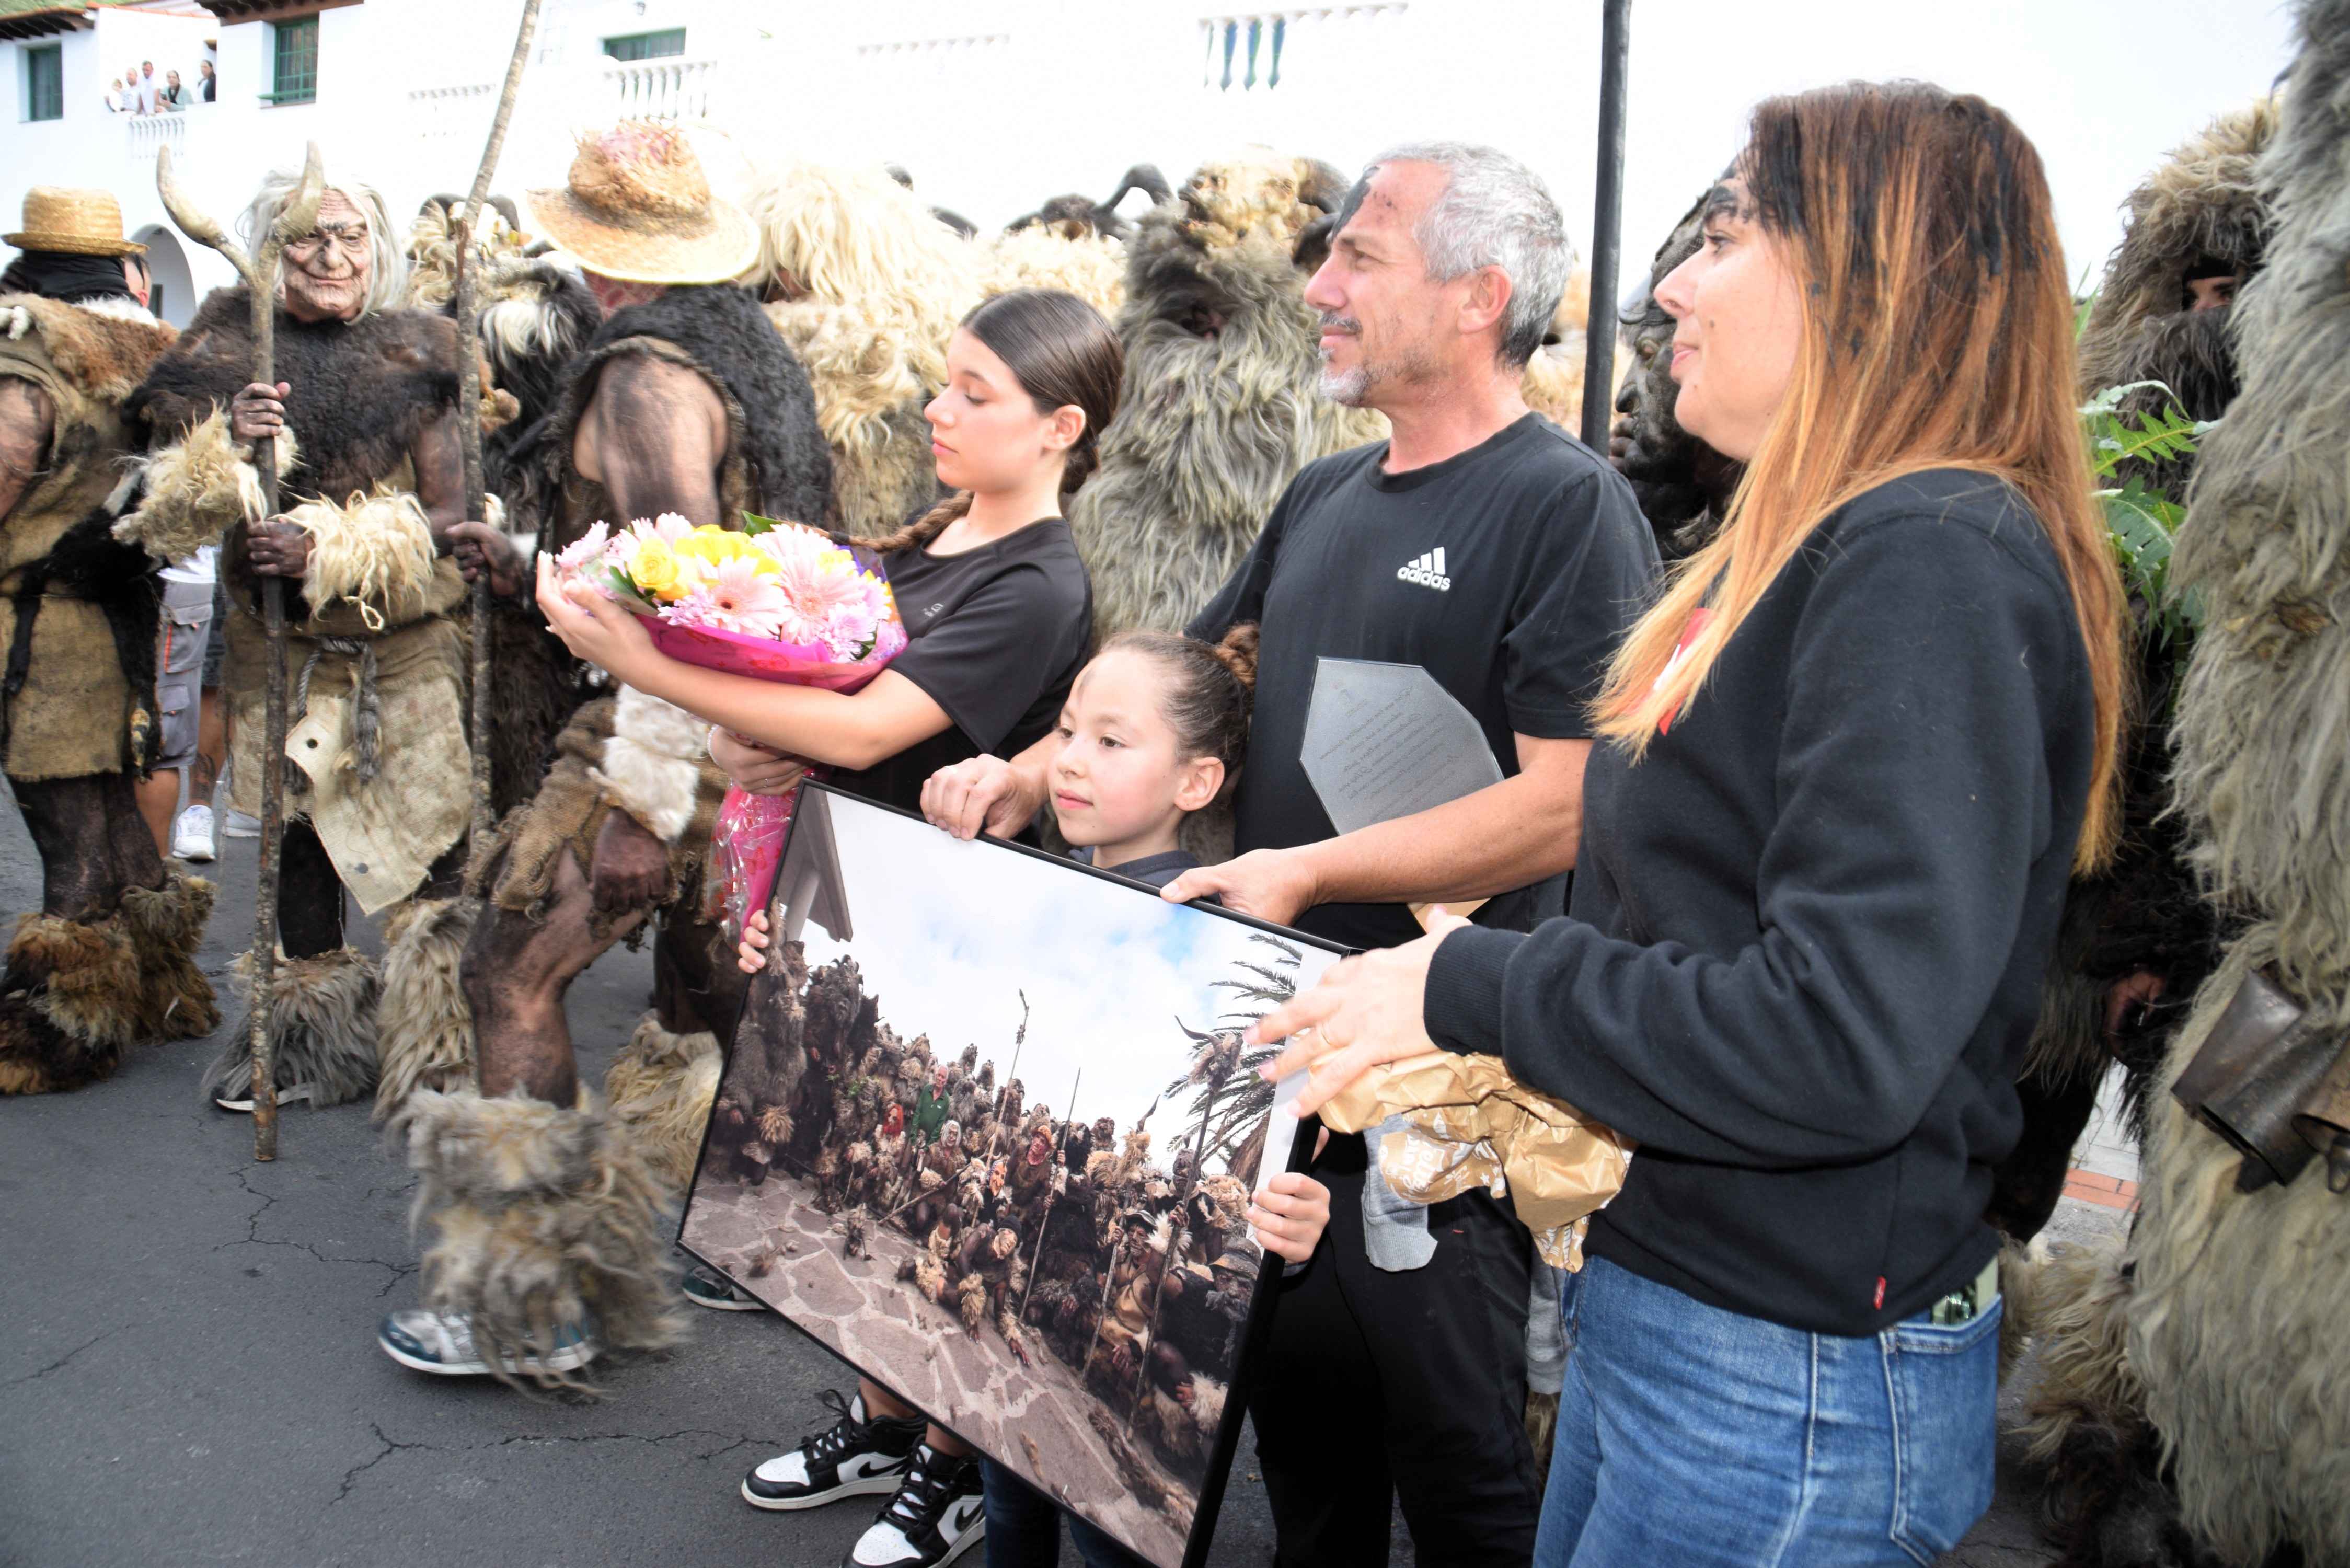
1809,925
1508,572
996,635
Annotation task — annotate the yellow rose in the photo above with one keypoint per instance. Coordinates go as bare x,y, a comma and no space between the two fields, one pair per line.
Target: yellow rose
657,571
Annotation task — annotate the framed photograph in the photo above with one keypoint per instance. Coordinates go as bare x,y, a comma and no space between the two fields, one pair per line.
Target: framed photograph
988,1131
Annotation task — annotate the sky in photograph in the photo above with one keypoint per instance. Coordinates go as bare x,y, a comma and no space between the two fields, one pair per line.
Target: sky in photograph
948,934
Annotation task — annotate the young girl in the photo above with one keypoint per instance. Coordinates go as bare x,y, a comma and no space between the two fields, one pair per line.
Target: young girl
999,612
1153,731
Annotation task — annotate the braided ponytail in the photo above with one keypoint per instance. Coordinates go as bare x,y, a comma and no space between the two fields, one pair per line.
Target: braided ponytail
918,535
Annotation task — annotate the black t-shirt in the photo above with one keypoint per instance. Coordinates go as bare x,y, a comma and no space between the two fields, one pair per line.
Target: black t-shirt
1810,923
996,637
1507,572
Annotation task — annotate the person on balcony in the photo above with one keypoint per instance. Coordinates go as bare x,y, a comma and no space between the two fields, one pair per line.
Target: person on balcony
207,84
173,98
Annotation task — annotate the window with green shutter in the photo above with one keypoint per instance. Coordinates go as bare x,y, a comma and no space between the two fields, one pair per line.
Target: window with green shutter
44,83
647,46
294,75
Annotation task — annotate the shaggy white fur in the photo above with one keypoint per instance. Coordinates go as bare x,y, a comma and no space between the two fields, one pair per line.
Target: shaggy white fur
1091,267
375,550
195,489
653,764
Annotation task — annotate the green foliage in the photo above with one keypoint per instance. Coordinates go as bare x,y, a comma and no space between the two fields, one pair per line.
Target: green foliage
1232,1106
2143,521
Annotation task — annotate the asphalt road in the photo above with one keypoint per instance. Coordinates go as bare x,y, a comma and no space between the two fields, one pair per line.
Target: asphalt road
188,1372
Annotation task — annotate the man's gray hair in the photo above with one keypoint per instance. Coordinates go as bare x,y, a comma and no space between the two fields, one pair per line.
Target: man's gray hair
1493,212
387,271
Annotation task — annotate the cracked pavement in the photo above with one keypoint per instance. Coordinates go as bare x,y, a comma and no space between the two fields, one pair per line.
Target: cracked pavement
190,1376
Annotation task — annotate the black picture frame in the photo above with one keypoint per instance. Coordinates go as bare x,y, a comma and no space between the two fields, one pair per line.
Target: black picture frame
1256,1324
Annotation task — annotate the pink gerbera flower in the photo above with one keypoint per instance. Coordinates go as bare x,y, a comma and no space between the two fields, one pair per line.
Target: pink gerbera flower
584,549
738,598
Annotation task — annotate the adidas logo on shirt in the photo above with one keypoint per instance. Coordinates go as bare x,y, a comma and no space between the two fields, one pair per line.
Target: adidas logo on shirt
1427,571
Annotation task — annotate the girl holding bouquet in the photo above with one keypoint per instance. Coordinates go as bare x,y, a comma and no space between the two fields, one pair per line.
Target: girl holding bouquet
997,611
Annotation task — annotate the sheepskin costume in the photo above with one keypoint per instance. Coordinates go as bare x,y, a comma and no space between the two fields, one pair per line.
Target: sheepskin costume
1553,383
321,1020
374,656
2230,1290
2203,208
543,1217
432,251
662,1086
424,1030
72,1005
1221,408
1044,256
78,609
866,287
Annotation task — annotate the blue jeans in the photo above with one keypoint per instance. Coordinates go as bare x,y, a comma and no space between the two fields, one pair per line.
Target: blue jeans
1705,1439
1024,1528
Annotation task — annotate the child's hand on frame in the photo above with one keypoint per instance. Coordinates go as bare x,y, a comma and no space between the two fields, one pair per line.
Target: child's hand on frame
751,952
1288,1214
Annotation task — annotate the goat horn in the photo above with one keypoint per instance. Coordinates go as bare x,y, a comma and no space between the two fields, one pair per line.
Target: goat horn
192,222
1321,186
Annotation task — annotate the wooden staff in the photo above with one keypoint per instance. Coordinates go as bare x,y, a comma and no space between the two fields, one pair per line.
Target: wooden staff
296,218
469,413
1044,1215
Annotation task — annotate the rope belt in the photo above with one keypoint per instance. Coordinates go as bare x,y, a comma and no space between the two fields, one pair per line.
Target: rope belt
367,707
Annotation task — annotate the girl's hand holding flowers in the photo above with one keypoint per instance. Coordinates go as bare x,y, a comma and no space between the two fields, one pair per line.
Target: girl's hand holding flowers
592,626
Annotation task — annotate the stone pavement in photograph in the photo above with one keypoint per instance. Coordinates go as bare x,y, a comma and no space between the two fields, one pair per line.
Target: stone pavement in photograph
972,1383
190,1377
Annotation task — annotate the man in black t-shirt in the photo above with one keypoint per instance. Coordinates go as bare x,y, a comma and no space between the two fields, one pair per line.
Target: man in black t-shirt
1484,546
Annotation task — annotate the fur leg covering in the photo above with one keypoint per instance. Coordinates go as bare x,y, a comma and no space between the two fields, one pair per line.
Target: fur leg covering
543,1216
662,1086
2236,1328
424,1029
322,1025
71,1001
166,925
653,764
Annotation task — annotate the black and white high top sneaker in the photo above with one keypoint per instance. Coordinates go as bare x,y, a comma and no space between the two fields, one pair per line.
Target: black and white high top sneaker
853,1456
938,1514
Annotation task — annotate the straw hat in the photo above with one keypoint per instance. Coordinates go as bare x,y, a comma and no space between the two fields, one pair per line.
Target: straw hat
78,222
637,208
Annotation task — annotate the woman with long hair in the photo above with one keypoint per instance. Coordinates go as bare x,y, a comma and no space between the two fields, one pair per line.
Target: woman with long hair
999,613
1847,763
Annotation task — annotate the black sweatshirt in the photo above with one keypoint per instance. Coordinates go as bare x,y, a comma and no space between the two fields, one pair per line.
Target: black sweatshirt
1803,953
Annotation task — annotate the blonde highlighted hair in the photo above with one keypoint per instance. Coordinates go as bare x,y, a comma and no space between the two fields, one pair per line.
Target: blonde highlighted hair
1938,333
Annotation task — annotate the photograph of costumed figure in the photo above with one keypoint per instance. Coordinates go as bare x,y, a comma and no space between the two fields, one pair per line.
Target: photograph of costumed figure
992,1141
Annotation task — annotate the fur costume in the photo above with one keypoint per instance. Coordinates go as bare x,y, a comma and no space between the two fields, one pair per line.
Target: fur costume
322,1019
2233,1304
1091,265
1553,383
661,1086
166,925
377,664
776,462
2204,206
77,610
544,1217
74,1000
867,289
424,1033
432,251
1220,406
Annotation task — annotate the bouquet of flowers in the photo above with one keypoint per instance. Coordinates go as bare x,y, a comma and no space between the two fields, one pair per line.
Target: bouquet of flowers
777,601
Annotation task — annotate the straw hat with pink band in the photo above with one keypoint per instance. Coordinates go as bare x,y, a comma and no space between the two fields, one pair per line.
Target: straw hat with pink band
637,207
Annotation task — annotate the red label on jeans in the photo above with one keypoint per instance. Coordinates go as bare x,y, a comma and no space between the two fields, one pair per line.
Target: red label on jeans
1698,617
1881,1292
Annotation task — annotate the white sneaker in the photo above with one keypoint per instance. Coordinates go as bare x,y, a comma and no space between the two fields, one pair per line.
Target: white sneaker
442,1343
241,825
191,834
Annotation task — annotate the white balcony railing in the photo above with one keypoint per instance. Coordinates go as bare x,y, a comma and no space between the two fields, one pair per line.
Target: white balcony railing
668,88
142,134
